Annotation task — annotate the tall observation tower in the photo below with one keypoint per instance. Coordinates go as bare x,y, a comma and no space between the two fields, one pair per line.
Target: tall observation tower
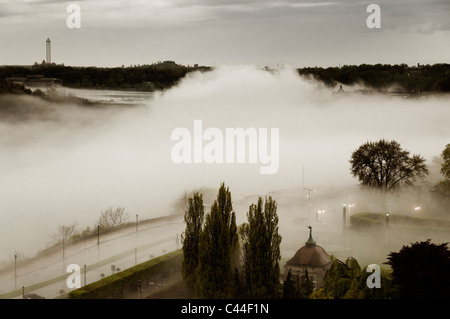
48,51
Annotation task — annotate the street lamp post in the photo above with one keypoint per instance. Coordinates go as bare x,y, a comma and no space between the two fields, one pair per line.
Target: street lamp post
384,187
63,255
344,215
136,223
319,216
15,271
139,289
98,242
309,198
349,206
346,212
387,228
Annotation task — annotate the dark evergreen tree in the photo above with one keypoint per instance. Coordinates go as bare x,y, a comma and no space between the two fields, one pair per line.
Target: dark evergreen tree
441,191
193,218
307,286
261,250
239,290
218,249
422,270
289,287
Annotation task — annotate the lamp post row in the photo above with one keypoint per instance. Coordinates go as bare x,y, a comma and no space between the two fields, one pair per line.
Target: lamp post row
63,256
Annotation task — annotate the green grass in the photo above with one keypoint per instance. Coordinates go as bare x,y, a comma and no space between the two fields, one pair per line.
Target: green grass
371,219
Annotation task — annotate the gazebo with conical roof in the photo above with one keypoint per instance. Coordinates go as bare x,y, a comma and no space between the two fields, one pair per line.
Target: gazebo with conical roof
312,258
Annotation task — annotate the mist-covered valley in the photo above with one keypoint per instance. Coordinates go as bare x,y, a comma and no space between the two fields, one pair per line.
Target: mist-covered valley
62,163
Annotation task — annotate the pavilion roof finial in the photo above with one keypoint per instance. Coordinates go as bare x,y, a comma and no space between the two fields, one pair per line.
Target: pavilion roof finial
310,241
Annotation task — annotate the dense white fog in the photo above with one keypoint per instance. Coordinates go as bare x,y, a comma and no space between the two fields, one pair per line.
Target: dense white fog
66,163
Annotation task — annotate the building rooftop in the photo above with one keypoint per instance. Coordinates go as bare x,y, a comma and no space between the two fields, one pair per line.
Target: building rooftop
310,254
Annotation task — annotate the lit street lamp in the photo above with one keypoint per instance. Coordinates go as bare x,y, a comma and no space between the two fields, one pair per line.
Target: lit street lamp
345,212
344,216
319,215
63,253
387,228
309,198
349,206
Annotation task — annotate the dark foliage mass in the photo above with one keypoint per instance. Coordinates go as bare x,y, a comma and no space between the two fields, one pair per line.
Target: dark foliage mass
12,88
385,166
441,191
163,75
420,78
152,77
422,270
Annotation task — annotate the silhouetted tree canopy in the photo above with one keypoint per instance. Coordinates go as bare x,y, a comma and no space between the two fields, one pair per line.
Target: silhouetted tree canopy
163,75
385,166
441,190
429,78
422,270
158,76
445,167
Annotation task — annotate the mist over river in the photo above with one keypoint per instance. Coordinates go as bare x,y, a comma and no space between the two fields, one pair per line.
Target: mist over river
64,163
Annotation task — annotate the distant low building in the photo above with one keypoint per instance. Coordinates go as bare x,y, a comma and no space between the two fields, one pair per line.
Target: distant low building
36,81
310,258
414,70
16,80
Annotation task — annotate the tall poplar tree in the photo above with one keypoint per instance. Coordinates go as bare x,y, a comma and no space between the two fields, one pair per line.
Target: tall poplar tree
261,250
218,249
193,218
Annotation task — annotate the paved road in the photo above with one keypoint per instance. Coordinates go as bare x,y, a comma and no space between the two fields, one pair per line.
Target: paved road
123,249
157,238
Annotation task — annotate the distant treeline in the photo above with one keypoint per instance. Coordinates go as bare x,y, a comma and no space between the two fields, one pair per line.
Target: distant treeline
420,78
163,75
158,76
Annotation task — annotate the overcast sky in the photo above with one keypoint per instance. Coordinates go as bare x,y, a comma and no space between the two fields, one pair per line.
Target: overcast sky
213,32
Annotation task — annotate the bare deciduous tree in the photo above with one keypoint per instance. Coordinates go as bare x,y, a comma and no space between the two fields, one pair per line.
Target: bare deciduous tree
65,231
111,218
